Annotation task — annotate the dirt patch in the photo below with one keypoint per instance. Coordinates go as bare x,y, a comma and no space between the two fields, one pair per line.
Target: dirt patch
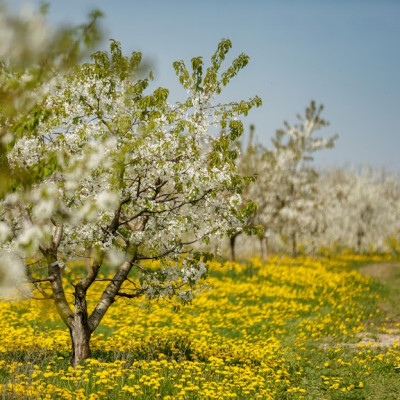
382,272
388,274
365,339
379,339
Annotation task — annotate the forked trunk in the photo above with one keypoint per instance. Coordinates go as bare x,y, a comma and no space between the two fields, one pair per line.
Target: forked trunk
80,325
79,330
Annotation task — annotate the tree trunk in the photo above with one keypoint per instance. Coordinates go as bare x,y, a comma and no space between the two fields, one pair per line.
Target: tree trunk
313,247
294,245
80,339
360,235
232,247
81,326
264,247
79,330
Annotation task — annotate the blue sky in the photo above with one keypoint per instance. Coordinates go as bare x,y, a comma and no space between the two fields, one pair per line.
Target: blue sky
342,53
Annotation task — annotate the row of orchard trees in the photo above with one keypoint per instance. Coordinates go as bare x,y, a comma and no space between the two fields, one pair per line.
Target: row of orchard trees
304,209
95,165
362,210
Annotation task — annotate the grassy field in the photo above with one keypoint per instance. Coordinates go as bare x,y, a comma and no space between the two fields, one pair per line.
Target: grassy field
287,329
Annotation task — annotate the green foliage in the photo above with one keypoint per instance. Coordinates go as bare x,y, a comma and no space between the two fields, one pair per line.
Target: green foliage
26,70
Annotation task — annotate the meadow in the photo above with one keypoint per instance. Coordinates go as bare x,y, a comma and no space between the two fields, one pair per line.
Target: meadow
302,328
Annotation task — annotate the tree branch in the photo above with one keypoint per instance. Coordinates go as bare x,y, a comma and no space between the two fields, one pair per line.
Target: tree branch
57,236
92,274
35,284
130,295
108,296
95,267
54,273
105,123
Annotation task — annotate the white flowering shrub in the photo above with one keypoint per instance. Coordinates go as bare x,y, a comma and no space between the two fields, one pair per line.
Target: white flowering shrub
121,176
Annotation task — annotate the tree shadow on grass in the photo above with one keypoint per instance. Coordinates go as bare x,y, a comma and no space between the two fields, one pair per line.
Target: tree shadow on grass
178,349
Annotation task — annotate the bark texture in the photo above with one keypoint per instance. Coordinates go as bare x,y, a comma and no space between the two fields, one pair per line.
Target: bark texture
80,324
79,329
80,340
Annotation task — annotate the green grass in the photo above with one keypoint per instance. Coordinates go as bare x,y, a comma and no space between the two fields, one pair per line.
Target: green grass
329,365
382,382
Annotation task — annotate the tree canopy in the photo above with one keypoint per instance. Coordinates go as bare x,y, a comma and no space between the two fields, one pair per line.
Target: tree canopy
102,167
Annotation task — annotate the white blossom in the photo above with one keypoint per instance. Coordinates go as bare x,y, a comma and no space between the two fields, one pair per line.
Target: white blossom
12,273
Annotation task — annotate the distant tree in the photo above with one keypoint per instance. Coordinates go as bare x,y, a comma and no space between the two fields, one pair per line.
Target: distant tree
361,209
127,175
248,163
285,188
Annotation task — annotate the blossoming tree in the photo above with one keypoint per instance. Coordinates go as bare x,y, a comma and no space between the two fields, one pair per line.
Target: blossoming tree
362,210
299,205
31,51
285,188
123,176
